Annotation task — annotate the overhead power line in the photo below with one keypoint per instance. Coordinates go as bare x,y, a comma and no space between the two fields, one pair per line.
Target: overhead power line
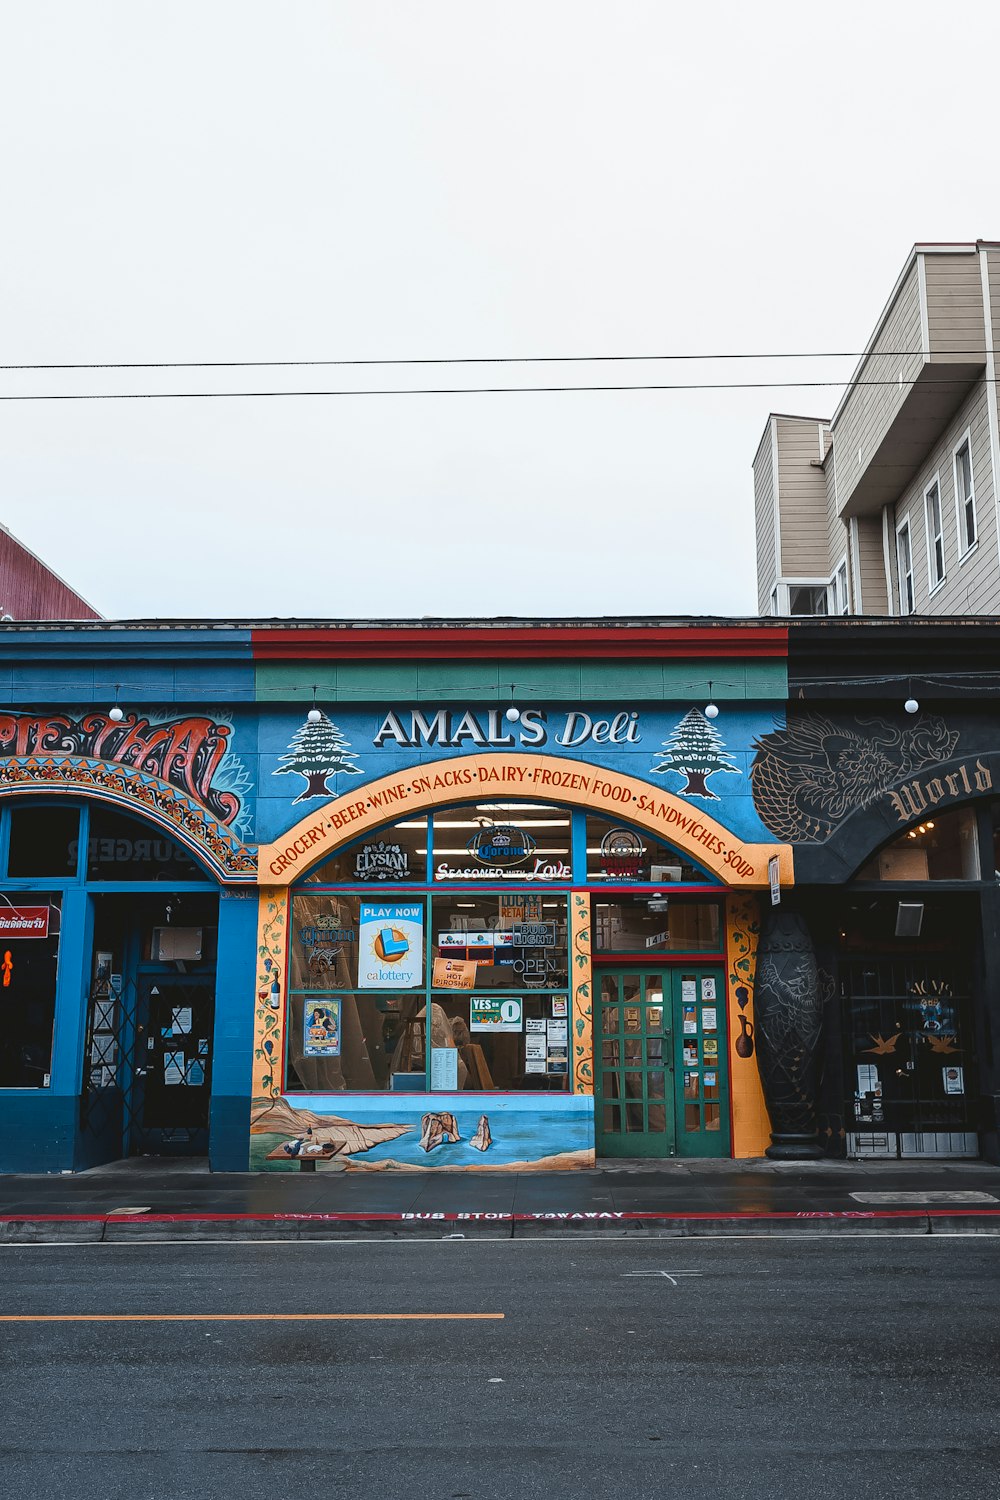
473,359
469,390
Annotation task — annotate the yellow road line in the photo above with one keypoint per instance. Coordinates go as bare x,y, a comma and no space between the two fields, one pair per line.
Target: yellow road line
244,1317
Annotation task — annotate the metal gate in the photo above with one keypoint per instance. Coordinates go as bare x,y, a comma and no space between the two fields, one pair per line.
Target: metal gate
147,1067
909,1056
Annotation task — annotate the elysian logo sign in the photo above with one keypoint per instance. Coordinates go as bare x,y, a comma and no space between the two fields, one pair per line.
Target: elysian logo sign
914,798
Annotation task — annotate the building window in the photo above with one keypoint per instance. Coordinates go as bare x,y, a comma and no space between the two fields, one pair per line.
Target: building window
491,972
939,848
839,601
44,843
935,534
644,927
804,600
965,497
29,953
904,563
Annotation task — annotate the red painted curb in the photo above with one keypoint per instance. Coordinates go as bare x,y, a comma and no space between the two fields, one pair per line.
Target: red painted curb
571,1216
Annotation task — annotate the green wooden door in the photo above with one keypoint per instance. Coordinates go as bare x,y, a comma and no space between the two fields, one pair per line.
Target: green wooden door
634,1096
660,1074
701,1072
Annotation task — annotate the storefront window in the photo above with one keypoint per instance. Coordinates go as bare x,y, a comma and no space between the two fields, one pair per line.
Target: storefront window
513,940
494,983
43,843
656,925
29,952
355,1043
496,1042
504,841
618,855
942,848
348,942
124,848
393,855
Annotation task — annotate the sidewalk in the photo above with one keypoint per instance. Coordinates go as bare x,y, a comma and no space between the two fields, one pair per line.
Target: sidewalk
157,1199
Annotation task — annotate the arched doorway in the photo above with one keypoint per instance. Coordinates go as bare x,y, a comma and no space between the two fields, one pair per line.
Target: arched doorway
901,950
108,947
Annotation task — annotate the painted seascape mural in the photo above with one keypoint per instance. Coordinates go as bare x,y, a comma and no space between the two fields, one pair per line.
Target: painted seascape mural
450,1132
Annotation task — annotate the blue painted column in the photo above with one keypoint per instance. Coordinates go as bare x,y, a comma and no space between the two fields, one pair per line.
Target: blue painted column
232,1050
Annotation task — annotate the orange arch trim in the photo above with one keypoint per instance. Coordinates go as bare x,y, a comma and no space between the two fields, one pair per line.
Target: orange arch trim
538,778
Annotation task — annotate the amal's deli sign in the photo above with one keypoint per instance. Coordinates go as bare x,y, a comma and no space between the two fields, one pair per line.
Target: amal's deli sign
24,922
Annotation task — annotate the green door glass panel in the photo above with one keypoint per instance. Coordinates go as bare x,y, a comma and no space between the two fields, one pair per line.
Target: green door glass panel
634,1085
660,1075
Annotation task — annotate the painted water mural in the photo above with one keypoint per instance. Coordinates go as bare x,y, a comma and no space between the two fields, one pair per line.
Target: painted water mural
369,1133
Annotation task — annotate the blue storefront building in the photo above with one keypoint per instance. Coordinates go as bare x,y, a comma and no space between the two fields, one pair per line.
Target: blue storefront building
367,895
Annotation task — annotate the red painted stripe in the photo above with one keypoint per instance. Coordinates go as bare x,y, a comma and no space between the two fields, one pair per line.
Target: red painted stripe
559,642
482,1216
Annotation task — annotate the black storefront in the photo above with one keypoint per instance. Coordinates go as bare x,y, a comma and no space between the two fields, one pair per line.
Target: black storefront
885,775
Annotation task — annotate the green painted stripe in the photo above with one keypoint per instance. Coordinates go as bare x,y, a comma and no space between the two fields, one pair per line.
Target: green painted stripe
533,681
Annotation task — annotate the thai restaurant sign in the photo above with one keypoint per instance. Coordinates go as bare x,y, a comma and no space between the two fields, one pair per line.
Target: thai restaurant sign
24,922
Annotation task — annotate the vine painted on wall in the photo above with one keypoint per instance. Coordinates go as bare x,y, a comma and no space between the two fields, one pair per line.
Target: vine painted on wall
191,753
272,942
583,996
751,1126
137,791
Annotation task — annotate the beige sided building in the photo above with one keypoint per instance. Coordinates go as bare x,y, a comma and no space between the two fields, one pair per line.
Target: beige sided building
890,507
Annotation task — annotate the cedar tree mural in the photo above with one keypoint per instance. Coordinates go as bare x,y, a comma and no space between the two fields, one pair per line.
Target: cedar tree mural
695,750
318,751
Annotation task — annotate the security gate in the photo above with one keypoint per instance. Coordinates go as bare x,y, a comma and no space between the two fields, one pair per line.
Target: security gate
147,1070
910,1059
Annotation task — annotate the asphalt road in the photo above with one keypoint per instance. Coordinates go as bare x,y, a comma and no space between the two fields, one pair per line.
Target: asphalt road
777,1368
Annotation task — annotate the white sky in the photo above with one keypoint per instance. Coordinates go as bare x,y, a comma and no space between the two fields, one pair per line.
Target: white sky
390,178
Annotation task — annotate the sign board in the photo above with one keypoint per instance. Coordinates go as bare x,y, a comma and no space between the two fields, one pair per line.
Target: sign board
454,974
24,922
390,945
534,935
320,1028
774,880
493,1013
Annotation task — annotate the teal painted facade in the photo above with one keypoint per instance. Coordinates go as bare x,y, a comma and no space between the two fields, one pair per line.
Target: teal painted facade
168,742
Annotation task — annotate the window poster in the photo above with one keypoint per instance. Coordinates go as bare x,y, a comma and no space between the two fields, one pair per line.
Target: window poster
560,1005
454,974
321,1029
954,1080
495,1013
444,1069
708,987
390,945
